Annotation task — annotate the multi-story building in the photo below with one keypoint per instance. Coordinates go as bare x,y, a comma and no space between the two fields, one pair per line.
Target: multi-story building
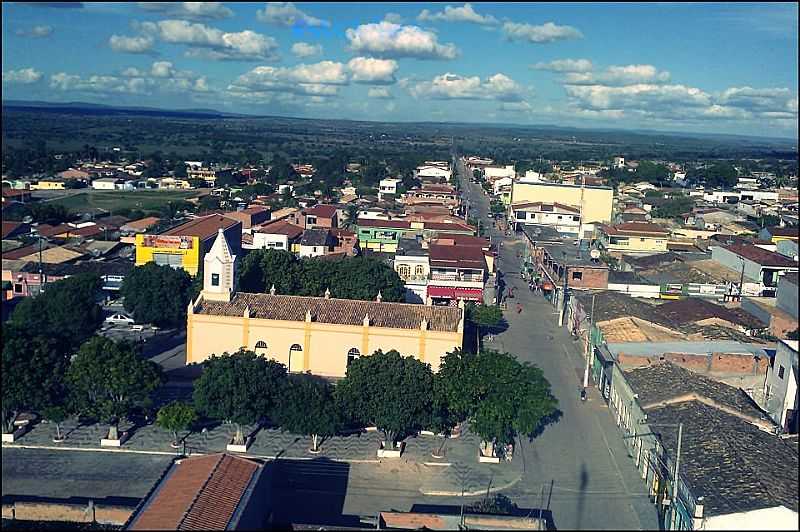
595,203
429,194
383,235
185,246
562,218
388,186
456,273
277,235
433,173
780,387
634,237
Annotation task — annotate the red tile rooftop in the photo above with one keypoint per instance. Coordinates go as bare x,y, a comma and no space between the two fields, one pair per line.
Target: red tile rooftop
762,256
205,227
635,228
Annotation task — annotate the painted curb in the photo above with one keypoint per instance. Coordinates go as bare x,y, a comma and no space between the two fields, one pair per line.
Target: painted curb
469,493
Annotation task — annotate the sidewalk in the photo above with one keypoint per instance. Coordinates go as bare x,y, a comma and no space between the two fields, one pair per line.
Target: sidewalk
458,470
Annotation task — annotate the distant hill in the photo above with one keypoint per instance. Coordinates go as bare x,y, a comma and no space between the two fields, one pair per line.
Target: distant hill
96,108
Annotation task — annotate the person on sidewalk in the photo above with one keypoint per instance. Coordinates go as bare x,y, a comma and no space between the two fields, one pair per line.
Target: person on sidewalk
519,308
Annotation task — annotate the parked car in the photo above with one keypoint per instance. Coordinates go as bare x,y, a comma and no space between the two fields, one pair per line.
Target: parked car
120,319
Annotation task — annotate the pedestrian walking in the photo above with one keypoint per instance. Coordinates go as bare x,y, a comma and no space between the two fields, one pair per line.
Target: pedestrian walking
519,308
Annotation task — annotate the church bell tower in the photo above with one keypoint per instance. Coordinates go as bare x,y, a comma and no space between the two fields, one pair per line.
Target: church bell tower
219,271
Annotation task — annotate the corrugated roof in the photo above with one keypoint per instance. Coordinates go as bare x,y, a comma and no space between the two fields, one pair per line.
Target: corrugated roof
634,228
762,256
337,311
281,227
198,493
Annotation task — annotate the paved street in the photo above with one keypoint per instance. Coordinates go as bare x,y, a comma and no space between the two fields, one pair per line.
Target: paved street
594,482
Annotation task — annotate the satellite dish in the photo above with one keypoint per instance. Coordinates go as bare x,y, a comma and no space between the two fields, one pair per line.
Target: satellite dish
595,253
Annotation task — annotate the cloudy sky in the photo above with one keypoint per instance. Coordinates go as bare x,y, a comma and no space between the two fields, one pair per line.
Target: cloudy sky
727,68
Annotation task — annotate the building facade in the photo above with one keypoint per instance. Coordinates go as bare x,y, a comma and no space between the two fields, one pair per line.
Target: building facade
321,335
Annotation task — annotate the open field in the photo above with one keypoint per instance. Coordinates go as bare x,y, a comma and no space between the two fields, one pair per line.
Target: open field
118,199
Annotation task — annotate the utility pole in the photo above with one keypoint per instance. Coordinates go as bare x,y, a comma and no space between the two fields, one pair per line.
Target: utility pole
741,283
677,473
563,314
41,274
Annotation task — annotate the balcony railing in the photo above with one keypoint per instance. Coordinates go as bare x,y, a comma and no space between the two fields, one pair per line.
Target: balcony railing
456,277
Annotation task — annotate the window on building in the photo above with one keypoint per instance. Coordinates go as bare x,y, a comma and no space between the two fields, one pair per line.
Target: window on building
214,279
293,350
404,271
419,270
261,347
577,276
352,355
168,259
780,372
17,288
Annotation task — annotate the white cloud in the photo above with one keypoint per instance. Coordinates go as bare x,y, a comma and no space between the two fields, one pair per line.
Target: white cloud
36,31
188,10
25,76
162,69
393,40
547,32
515,106
394,18
304,49
464,13
759,99
287,15
371,70
319,79
565,65
391,106
380,93
212,43
99,84
131,45
619,75
640,96
454,87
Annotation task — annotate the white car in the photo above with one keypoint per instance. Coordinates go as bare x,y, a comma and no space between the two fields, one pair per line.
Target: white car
120,319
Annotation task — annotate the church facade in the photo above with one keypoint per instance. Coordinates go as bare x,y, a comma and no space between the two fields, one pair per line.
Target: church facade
321,335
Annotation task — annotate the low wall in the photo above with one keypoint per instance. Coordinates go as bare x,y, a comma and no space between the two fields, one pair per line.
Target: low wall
104,514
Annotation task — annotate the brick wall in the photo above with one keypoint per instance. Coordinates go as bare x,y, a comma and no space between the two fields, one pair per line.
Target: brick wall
70,513
782,324
591,278
719,363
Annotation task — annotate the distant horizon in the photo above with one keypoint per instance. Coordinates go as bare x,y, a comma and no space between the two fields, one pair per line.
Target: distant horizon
695,68
228,114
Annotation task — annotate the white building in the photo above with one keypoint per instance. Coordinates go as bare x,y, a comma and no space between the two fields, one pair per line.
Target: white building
498,185
780,386
433,172
497,172
388,186
531,176
277,235
619,162
111,183
562,218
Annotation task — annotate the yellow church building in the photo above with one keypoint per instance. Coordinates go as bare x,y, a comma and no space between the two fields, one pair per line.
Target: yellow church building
317,334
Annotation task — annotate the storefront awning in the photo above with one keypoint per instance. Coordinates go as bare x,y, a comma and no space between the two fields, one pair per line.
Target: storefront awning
441,291
472,294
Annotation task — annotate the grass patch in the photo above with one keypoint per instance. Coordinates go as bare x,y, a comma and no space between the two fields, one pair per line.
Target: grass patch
112,200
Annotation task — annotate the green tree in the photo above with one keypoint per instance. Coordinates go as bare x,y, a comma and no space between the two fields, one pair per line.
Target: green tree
261,269
175,417
499,504
210,202
351,215
500,396
484,316
179,170
56,414
319,416
157,294
674,207
652,173
108,379
33,371
239,388
67,310
389,391
477,175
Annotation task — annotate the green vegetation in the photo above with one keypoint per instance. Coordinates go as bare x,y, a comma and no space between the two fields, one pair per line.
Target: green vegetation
722,175
674,207
389,391
107,380
239,388
116,200
157,294
319,416
499,504
176,417
484,316
346,278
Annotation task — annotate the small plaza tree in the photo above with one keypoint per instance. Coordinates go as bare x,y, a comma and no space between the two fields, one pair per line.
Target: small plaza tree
108,379
389,391
175,417
308,407
239,389
56,414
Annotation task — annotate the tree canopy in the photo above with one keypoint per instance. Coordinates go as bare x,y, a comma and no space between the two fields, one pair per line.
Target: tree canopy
239,388
346,278
500,396
722,175
175,417
657,174
389,391
157,294
33,371
108,379
67,310
319,415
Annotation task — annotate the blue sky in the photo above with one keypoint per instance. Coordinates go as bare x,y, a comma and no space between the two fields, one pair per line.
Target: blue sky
727,68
